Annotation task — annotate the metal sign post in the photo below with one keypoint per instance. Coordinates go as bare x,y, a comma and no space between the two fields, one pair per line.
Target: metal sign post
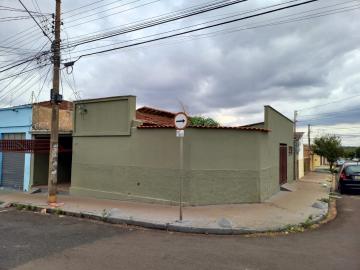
180,122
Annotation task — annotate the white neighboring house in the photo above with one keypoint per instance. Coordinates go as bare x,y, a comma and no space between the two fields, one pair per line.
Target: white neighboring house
300,154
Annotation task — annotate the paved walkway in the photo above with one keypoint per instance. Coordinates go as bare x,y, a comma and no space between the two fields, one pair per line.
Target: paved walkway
284,208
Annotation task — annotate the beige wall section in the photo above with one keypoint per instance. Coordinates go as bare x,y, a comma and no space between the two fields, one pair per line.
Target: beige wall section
42,119
316,161
281,132
220,166
301,168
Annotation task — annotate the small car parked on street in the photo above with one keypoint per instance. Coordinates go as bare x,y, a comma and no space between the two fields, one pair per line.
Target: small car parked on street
339,162
349,177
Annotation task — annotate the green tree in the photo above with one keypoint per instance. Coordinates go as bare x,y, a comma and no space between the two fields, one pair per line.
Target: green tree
328,146
349,153
357,152
203,121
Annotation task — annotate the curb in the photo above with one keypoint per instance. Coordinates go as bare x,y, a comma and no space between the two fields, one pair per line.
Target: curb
323,219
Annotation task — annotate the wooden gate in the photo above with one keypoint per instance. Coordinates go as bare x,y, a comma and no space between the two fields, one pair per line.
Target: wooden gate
283,164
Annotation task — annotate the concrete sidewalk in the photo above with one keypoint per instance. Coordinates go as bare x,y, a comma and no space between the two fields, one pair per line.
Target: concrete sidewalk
284,209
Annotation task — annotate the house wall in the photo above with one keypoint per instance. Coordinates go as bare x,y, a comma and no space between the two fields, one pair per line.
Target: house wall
316,161
114,159
17,120
221,166
42,118
301,168
281,133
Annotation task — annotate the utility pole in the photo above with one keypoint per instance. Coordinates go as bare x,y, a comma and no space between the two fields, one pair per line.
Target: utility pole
295,149
309,146
309,136
32,97
55,100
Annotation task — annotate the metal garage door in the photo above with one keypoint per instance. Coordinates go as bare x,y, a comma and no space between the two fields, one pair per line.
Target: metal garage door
13,164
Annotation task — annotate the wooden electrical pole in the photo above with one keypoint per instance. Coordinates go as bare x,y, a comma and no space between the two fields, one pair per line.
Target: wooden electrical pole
309,137
309,147
295,149
55,100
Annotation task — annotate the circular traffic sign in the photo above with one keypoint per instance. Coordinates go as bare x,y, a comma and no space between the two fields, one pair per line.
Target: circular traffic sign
181,120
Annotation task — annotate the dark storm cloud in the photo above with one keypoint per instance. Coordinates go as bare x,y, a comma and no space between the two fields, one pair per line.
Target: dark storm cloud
230,76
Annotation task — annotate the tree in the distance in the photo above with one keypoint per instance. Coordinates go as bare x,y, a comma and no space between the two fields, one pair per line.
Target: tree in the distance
328,146
357,152
203,121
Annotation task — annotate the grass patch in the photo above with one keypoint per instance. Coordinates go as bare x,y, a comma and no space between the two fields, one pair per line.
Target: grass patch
325,200
19,207
105,214
58,212
24,207
309,222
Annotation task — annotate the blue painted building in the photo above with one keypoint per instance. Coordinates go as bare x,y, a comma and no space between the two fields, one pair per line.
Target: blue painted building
21,171
15,123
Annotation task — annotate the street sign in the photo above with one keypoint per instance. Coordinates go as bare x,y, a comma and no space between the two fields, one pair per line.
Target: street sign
180,133
180,121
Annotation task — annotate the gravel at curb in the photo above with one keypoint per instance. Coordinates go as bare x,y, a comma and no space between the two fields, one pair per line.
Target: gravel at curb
174,227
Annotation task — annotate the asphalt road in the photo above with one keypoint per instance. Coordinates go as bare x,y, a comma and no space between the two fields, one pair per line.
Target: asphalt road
35,241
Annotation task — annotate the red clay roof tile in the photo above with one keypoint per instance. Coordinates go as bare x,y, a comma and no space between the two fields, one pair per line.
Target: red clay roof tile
154,118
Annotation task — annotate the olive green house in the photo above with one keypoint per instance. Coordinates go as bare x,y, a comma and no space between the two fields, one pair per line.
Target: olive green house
123,153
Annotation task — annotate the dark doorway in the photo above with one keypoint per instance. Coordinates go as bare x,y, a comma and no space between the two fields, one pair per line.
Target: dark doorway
283,164
41,163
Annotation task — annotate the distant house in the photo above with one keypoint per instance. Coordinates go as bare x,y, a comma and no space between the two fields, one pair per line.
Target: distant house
123,153
311,160
299,148
20,126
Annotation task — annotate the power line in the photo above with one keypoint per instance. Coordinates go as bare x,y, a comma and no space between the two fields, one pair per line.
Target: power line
38,76
25,33
324,118
113,2
331,113
15,18
43,31
16,64
137,21
200,28
24,82
21,10
121,11
21,72
13,80
76,94
227,31
23,61
37,8
185,13
324,128
15,48
24,41
25,71
332,102
41,88
81,7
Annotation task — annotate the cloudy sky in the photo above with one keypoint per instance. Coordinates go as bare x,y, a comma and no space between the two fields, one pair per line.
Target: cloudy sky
304,58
